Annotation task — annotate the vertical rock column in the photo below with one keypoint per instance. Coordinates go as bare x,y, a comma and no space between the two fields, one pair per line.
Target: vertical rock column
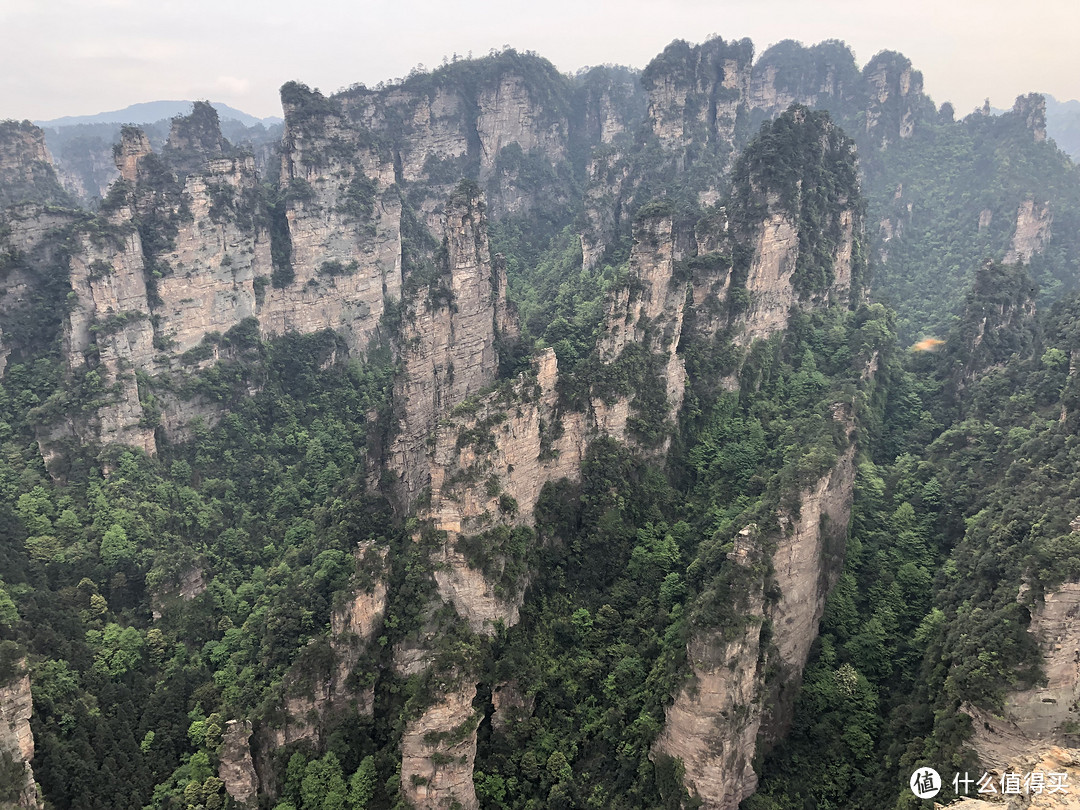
16,739
449,342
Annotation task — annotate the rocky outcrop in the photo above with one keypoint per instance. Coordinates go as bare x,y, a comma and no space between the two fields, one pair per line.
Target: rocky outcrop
355,622
613,106
438,750
236,768
765,224
895,99
648,312
332,681
1044,714
29,247
1031,109
1057,791
133,146
729,709
489,462
772,293
806,564
1033,221
458,124
510,704
822,76
713,724
16,739
507,114
187,249
695,91
26,169
109,334
188,584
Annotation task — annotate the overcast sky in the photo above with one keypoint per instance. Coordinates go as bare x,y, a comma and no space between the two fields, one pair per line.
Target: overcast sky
74,57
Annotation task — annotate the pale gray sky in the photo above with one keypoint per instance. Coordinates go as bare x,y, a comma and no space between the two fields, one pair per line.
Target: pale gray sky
73,57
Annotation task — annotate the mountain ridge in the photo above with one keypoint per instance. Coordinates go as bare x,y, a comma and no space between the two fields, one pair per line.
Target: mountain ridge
147,112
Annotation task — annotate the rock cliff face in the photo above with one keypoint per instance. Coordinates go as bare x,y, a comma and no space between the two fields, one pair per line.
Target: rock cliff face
236,768
186,247
17,741
806,565
729,710
320,688
438,750
713,724
355,623
489,463
695,91
459,121
1031,109
1044,715
895,97
1033,221
328,254
449,336
649,312
26,168
819,76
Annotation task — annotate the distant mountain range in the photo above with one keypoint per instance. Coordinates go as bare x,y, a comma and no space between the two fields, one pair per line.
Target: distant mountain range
148,112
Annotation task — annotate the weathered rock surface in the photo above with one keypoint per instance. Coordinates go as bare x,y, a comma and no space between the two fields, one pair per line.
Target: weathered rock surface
355,623
501,453
1050,712
807,563
713,724
236,768
650,311
139,307
438,750
449,335
1031,109
683,76
895,96
718,720
1033,221
16,739
188,584
820,76
1059,794
314,693
26,168
133,146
